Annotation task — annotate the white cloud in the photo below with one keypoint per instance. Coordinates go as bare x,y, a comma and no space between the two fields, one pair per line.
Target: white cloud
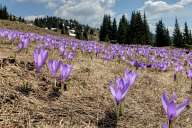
155,7
35,1
85,11
160,9
184,2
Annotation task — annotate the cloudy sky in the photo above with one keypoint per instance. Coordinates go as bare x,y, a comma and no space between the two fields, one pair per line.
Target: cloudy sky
91,11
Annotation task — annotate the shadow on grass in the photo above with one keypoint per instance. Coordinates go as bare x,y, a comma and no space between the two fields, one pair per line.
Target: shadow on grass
55,93
109,121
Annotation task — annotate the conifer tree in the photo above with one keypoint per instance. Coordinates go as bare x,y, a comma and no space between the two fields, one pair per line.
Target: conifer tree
190,38
147,37
167,38
139,29
162,35
123,30
177,36
186,36
114,30
106,28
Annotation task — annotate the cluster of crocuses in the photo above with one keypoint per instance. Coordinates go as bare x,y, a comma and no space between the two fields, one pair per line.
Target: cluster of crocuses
142,57
121,87
114,50
23,44
160,59
40,57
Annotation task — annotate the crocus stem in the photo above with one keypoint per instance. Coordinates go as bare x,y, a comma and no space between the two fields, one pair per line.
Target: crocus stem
37,77
25,68
15,55
26,51
119,60
191,85
121,109
117,111
170,124
175,77
55,84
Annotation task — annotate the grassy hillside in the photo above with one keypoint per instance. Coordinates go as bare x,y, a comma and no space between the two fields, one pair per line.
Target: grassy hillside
28,101
26,27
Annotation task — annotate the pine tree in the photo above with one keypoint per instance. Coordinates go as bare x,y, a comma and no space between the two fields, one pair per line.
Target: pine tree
177,36
147,37
137,28
186,36
162,35
78,32
106,28
123,30
190,38
167,38
3,12
114,30
133,27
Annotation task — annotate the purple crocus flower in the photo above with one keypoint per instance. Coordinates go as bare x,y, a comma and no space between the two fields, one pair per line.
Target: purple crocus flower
65,70
23,43
163,66
129,77
53,67
61,50
165,126
179,68
120,89
70,56
20,46
189,74
172,110
40,56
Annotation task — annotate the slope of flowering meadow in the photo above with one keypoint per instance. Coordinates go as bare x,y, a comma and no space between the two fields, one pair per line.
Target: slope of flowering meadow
32,99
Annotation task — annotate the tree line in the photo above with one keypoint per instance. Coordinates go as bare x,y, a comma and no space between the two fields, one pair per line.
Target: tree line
5,15
83,32
178,39
136,31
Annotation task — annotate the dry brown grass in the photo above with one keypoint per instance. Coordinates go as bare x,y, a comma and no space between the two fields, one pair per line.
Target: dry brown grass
87,102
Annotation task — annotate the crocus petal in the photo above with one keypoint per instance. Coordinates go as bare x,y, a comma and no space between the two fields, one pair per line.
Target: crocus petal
125,90
35,55
130,77
40,58
53,66
165,101
112,89
165,126
20,46
118,97
171,110
65,71
181,107
120,83
44,56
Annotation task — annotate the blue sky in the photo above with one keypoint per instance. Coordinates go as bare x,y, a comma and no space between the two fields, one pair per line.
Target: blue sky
91,11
